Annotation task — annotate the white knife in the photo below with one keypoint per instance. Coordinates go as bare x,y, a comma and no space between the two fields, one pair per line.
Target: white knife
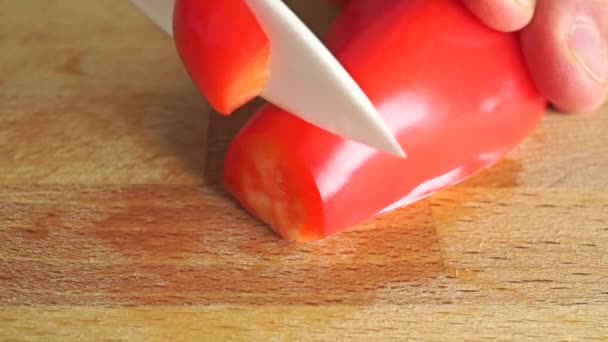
305,79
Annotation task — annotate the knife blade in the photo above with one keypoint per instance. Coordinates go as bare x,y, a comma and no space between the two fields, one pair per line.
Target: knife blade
159,11
305,79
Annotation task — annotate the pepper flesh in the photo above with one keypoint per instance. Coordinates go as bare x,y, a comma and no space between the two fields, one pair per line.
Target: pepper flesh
455,93
224,50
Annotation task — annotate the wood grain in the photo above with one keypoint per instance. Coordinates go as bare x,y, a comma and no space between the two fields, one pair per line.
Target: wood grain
91,94
114,225
468,322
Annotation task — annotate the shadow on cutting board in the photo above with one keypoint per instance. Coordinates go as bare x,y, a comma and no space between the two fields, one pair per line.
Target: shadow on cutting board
221,131
184,245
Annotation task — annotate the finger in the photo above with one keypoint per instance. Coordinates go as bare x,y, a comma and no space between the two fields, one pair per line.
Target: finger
502,15
566,48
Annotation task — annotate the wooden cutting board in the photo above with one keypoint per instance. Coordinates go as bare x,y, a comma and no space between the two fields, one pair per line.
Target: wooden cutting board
114,226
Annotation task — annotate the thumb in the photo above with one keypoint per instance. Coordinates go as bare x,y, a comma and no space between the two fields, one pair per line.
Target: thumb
502,15
566,48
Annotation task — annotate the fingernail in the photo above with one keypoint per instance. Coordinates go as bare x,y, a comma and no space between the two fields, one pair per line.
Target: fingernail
526,3
590,49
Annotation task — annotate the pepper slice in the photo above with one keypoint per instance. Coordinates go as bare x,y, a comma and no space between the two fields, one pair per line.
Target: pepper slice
456,94
224,50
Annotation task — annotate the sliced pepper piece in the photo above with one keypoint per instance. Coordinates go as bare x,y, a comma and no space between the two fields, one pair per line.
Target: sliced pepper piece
224,50
456,94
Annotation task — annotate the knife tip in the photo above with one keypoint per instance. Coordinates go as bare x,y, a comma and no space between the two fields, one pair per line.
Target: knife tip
395,149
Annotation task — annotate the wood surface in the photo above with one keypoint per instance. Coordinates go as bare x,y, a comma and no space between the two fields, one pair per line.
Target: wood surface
114,226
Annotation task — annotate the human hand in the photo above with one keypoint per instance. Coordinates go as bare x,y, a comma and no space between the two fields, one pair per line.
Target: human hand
565,43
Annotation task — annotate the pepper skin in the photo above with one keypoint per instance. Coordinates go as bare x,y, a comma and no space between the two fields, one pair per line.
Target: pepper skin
224,50
456,94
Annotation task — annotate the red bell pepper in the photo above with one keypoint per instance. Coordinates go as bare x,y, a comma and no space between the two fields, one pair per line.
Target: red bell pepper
224,50
455,93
